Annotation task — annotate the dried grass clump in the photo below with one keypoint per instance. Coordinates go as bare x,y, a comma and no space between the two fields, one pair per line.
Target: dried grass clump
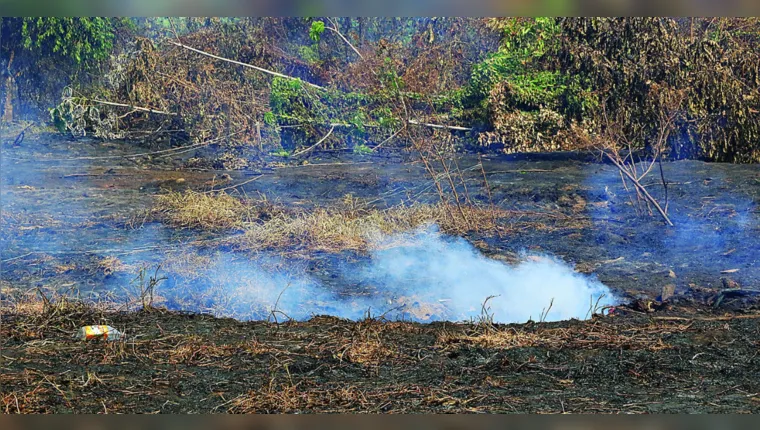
38,312
335,230
350,226
584,336
364,344
289,398
211,211
109,265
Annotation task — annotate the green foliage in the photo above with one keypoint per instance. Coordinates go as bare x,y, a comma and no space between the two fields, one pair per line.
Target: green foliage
524,44
270,119
83,40
59,118
317,28
492,70
357,120
527,38
48,53
384,117
529,105
362,149
293,103
281,153
544,77
536,88
309,54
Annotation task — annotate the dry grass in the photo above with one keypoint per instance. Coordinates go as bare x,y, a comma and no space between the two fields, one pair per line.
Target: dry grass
349,226
336,230
109,265
211,211
584,336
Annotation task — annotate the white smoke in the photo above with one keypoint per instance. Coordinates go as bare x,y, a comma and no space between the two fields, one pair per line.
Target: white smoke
421,276
432,268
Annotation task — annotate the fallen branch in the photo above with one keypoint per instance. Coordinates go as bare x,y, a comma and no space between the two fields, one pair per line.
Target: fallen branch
260,69
411,121
523,171
316,144
234,186
133,107
165,152
387,140
450,127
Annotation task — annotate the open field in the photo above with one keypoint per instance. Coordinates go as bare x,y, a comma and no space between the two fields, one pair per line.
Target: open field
85,228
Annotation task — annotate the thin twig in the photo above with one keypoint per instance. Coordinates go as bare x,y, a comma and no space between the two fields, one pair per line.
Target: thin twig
388,139
133,107
233,186
450,127
664,185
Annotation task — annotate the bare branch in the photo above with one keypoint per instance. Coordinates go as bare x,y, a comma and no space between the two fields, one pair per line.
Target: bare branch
316,144
260,69
334,29
450,127
640,187
103,102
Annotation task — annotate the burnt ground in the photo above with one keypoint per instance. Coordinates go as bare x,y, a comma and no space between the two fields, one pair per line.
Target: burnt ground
177,363
66,208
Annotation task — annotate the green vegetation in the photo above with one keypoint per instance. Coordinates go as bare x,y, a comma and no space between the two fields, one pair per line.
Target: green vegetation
42,55
362,149
521,84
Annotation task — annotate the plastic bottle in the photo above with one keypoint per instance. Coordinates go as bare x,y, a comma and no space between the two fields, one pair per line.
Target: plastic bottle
98,332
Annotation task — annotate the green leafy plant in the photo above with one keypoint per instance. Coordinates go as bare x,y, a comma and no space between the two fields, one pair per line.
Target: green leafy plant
362,149
310,54
317,28
270,119
282,152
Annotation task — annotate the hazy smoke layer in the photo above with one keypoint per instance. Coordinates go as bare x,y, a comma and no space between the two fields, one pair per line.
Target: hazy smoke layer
420,276
434,269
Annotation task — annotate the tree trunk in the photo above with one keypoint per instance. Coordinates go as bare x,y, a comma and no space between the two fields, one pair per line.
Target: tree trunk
346,31
361,30
8,88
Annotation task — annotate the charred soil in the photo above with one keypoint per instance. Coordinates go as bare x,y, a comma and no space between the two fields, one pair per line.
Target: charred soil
676,360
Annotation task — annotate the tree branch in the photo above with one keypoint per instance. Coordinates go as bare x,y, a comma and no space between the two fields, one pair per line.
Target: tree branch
335,29
639,187
260,69
133,107
450,127
316,144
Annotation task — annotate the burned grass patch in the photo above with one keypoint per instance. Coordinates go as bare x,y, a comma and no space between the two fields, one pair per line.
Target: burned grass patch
183,363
